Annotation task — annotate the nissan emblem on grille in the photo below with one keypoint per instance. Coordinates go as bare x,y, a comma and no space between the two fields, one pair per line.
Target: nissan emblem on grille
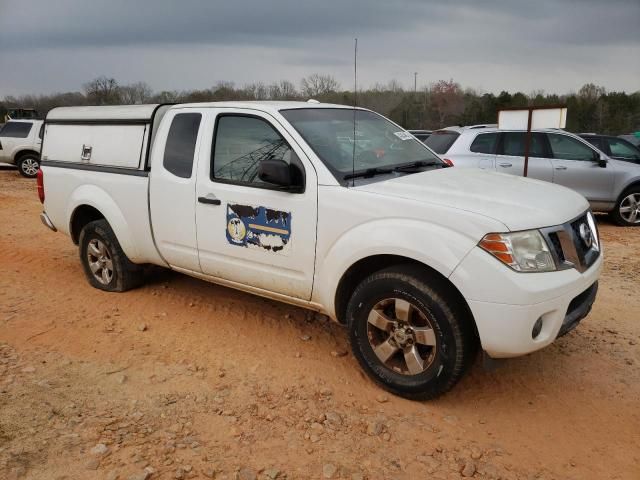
585,234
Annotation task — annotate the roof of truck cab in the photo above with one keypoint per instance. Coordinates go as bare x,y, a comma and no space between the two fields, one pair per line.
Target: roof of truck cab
145,112
264,105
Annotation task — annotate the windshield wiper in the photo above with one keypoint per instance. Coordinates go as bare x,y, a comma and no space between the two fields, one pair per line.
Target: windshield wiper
415,165
369,172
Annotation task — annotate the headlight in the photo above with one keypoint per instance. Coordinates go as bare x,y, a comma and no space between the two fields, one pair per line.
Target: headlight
523,251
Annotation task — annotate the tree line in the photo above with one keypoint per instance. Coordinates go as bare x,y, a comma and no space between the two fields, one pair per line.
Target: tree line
439,104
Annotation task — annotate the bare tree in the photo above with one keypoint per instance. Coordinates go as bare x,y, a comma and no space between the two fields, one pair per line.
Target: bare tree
591,92
283,90
135,93
316,85
102,91
447,99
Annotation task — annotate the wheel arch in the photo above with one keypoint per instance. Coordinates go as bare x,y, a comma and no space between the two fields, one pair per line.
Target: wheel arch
81,216
374,263
90,202
21,153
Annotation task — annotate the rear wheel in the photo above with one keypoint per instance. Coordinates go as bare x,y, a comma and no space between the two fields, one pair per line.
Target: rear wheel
627,209
409,333
104,262
28,165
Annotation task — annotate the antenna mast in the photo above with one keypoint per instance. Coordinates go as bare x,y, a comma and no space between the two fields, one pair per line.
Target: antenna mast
355,104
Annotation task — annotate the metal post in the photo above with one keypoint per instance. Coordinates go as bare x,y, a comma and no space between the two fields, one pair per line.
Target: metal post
527,143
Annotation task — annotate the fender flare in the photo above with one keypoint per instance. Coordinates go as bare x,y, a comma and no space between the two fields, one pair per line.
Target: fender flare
401,237
99,199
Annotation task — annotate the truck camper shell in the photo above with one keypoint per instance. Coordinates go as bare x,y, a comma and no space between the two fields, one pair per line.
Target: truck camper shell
85,135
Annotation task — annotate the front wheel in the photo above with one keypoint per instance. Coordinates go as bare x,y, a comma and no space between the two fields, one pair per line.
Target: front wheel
28,165
409,333
104,262
627,210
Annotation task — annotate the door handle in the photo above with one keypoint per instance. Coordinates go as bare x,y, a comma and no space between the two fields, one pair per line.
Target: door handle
561,167
505,164
209,200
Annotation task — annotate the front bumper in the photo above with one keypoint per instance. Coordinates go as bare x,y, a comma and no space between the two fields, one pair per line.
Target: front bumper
506,304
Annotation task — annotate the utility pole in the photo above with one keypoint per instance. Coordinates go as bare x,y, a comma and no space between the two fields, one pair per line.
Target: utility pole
415,83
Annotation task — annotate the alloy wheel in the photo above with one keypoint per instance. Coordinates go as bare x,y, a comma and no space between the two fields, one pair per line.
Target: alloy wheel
401,336
630,208
30,166
100,261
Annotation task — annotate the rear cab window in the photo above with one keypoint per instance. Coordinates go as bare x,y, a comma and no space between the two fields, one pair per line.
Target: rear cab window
181,144
441,141
16,129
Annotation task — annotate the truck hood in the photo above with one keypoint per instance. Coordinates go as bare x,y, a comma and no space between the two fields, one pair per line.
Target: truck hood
517,202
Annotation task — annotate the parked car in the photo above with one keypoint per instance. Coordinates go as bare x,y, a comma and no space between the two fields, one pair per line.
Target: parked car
422,263
20,142
614,147
556,156
632,138
421,135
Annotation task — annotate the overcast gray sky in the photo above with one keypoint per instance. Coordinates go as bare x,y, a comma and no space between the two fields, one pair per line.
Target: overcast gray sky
554,45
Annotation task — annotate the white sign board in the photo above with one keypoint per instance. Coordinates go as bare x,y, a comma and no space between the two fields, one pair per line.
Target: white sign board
540,118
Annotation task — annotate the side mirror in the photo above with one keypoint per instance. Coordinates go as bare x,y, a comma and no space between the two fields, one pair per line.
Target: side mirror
602,161
276,172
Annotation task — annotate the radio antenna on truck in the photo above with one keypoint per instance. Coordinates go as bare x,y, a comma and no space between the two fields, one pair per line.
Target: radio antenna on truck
355,104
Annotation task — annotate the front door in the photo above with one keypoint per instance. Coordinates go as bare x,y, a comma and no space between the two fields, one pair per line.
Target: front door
575,166
510,158
250,231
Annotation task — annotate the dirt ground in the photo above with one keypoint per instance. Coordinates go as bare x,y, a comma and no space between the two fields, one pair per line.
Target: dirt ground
183,379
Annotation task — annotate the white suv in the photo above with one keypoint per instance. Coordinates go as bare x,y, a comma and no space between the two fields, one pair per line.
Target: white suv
20,143
555,156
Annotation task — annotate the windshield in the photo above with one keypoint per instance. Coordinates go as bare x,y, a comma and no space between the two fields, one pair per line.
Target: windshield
379,144
441,141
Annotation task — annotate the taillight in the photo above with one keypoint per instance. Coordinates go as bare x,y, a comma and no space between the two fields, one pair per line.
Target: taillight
40,177
448,162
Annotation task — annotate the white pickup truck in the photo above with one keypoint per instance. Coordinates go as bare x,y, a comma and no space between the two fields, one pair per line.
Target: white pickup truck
331,208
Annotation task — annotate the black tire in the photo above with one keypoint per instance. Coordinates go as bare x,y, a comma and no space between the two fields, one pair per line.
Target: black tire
617,216
451,323
25,164
125,274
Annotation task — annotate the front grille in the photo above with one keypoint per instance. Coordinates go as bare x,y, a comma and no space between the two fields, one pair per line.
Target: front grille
581,247
567,246
556,246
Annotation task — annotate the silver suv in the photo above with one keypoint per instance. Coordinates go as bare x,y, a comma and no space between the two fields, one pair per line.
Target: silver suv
555,156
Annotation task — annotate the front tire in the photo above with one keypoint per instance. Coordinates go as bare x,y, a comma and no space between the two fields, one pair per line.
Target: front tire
28,165
409,332
104,262
627,210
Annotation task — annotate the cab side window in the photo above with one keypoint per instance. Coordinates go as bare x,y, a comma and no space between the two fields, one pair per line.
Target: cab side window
564,147
181,144
484,143
16,129
241,143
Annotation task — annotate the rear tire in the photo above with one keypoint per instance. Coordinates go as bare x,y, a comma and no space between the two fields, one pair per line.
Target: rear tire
104,262
626,213
430,340
28,165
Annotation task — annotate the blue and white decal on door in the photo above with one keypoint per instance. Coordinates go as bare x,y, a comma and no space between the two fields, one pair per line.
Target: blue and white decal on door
259,228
